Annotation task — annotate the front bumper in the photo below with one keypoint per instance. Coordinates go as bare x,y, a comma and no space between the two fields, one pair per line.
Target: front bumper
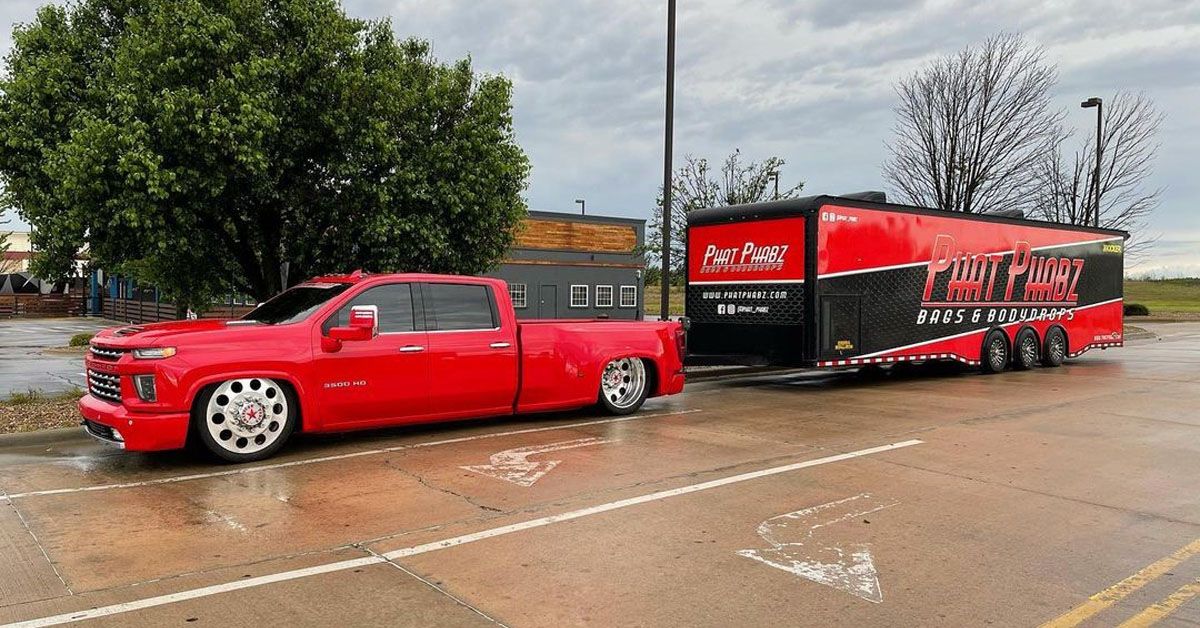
139,432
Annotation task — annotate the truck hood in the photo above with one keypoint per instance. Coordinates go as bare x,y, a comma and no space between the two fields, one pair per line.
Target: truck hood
170,333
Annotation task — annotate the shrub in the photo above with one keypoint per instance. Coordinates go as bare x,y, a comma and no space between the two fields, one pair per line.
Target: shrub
1136,309
80,340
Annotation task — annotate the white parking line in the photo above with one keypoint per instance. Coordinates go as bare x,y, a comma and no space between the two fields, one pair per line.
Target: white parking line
161,600
356,454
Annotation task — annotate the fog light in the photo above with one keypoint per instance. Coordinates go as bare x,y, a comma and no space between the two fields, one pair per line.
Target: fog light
145,387
117,436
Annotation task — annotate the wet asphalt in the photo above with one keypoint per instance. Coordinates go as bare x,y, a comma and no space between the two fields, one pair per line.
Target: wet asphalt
932,496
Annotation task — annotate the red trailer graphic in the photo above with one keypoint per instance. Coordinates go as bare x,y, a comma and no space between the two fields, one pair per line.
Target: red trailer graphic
842,281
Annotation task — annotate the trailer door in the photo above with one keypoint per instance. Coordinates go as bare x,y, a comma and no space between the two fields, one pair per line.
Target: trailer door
840,325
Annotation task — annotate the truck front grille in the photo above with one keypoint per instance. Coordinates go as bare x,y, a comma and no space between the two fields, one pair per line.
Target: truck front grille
104,386
108,354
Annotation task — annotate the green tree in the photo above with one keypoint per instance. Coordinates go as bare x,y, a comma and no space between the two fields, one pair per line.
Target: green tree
201,144
696,186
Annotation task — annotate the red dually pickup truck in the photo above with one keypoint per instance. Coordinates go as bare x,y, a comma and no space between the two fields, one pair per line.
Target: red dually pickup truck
358,351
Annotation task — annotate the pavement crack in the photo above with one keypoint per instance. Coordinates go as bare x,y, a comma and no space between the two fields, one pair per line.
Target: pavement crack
433,585
36,541
420,479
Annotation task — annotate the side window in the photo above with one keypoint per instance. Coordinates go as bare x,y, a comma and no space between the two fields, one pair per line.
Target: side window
604,296
395,305
517,292
461,306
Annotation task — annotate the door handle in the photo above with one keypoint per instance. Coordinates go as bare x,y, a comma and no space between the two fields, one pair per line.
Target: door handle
500,345
411,349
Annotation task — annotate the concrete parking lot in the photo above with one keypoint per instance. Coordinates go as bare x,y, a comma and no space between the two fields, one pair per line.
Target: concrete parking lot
1063,496
25,362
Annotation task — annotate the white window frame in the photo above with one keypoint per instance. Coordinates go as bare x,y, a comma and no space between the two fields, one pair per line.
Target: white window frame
523,290
634,289
611,296
585,291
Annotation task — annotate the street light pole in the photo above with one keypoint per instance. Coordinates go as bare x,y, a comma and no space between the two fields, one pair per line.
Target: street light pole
774,176
668,141
582,206
1099,105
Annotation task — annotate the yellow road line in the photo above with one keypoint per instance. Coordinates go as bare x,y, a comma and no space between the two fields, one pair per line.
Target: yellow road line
1118,591
1154,614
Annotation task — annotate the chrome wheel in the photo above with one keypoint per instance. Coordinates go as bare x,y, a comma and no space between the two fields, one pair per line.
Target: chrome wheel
998,354
245,416
1057,348
623,382
1029,350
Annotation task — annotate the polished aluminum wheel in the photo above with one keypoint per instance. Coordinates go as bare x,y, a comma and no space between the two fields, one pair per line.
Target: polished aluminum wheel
246,415
998,353
1029,350
1057,348
623,382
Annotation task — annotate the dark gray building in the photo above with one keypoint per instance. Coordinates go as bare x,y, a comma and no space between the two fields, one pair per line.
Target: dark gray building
575,266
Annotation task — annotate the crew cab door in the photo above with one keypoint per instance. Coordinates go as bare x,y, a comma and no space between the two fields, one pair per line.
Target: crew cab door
381,380
472,353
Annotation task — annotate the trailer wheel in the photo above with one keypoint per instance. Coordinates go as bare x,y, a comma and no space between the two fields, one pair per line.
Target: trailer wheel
1055,350
994,358
623,385
1025,353
245,419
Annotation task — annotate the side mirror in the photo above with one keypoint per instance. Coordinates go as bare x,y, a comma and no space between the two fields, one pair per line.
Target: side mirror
363,325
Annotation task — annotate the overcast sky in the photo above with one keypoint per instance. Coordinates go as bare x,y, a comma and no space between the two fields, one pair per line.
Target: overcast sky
807,80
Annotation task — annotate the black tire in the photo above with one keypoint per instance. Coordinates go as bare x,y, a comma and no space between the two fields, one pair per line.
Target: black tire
225,453
994,356
1026,350
1054,348
624,385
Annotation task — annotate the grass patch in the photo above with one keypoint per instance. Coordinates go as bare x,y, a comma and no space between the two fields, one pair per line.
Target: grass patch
651,296
1165,296
37,396
81,340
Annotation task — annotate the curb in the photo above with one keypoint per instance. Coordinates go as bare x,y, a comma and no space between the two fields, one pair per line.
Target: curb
40,437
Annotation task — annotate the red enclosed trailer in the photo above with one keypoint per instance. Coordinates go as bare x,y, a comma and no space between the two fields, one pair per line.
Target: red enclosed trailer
831,281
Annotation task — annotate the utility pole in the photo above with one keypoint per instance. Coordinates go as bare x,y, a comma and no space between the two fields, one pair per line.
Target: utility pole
668,140
1099,105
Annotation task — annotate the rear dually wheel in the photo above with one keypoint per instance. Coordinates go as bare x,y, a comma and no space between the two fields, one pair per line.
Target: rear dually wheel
624,385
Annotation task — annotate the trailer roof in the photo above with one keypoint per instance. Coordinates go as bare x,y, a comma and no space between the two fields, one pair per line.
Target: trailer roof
811,204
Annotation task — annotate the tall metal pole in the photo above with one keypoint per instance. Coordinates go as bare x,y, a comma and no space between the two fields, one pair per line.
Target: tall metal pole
1099,105
1096,179
668,140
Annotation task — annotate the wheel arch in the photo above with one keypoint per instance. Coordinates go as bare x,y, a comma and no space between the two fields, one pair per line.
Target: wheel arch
650,360
209,381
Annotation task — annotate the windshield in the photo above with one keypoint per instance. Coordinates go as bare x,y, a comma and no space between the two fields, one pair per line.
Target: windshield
295,304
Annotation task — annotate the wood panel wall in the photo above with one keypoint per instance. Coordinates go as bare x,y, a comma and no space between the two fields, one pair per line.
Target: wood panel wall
589,237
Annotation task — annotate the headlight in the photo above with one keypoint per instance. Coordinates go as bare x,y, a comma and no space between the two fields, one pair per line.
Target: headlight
144,384
154,353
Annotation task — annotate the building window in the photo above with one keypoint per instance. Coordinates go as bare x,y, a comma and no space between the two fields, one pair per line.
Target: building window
604,296
629,296
517,292
579,295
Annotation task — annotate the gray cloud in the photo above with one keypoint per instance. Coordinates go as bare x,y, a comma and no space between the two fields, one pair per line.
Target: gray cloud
808,80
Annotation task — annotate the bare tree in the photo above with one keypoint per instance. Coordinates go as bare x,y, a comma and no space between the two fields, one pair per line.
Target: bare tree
971,126
696,186
1128,148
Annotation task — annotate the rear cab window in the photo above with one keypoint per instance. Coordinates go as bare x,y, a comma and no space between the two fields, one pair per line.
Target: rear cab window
461,307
